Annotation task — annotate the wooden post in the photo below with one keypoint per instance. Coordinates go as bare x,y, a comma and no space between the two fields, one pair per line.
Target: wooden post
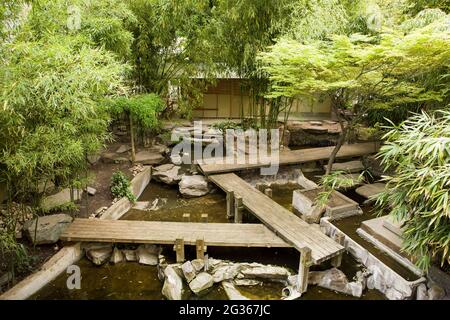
206,261
186,217
200,248
179,249
337,260
268,192
260,186
303,269
204,217
230,204
238,207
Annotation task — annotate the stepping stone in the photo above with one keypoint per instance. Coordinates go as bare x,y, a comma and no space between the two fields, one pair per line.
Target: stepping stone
91,191
375,227
393,225
370,191
149,158
350,166
46,229
123,148
59,199
141,205
112,157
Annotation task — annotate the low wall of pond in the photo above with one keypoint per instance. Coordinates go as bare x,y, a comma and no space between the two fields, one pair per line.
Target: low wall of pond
382,277
71,254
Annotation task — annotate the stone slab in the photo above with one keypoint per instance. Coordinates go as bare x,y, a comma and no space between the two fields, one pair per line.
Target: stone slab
370,191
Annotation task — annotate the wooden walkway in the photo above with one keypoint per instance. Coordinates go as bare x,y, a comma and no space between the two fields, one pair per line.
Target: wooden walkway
157,232
284,223
289,157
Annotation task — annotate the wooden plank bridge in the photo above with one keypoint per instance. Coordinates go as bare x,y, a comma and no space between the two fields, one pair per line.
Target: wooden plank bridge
280,228
281,221
158,232
290,157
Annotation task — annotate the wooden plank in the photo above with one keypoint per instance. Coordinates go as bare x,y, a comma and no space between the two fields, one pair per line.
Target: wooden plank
303,270
200,249
280,220
238,208
179,249
158,232
287,157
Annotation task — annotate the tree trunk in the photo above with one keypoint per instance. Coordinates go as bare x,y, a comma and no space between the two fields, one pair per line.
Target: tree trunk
340,141
133,150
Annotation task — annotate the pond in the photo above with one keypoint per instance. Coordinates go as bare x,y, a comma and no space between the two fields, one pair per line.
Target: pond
131,280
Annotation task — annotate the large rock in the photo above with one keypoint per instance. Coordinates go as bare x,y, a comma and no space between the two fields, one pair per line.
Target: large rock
194,186
334,279
307,134
371,191
232,292
201,282
188,271
147,254
265,272
48,228
173,284
167,173
149,157
130,255
198,264
123,148
99,253
117,256
112,157
226,271
59,199
422,292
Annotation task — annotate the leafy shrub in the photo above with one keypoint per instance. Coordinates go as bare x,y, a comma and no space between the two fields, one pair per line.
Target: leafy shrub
245,124
144,108
120,186
227,124
419,192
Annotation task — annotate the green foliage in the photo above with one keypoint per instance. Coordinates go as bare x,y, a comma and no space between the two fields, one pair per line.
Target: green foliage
52,79
423,19
49,120
415,6
144,108
336,180
363,73
419,192
103,23
168,42
120,186
227,124
13,253
318,20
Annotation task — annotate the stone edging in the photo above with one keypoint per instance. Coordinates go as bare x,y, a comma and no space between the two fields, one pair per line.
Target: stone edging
383,278
69,255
